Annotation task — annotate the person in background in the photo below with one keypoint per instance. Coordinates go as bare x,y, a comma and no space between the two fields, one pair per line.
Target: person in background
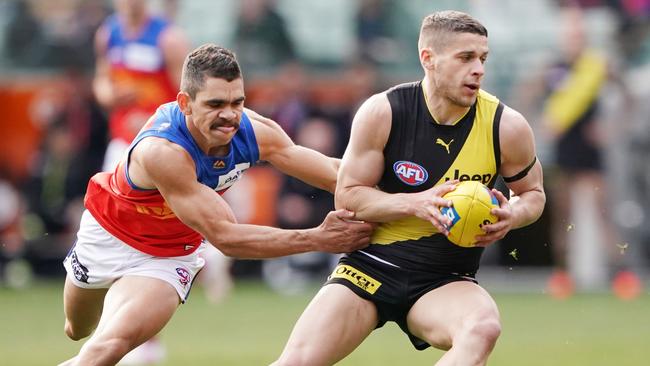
139,57
569,92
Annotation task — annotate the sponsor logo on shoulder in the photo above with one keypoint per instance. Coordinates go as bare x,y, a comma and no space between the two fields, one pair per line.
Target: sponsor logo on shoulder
358,278
183,276
164,126
79,271
410,173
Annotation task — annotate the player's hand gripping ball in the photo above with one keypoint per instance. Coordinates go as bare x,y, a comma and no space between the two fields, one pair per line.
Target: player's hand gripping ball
472,202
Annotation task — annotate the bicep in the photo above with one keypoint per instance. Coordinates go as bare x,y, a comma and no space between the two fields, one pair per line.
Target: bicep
363,161
171,171
518,156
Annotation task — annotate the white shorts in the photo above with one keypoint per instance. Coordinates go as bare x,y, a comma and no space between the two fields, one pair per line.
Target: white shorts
98,259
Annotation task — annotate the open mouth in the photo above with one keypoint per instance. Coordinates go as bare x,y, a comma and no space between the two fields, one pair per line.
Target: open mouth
472,86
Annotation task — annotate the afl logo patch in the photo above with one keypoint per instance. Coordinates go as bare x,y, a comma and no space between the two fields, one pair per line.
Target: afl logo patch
410,173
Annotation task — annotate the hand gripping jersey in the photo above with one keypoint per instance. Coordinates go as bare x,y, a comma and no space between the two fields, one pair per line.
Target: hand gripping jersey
421,153
141,217
137,63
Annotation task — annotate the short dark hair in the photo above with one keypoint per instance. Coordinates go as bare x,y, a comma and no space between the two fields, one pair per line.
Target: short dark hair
448,21
208,60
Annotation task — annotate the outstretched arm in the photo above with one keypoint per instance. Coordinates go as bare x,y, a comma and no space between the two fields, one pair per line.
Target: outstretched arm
308,165
160,164
363,165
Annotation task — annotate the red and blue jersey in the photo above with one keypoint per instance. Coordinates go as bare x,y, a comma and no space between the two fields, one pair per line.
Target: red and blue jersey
137,63
141,217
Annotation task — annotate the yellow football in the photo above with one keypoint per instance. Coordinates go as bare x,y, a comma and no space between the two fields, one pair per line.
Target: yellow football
472,202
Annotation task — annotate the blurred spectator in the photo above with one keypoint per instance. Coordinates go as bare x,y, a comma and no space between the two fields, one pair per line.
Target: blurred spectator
374,41
48,189
634,29
71,152
572,121
302,206
53,34
24,36
261,38
139,59
291,106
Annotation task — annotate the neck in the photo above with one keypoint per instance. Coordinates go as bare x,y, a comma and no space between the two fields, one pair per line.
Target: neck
133,24
440,107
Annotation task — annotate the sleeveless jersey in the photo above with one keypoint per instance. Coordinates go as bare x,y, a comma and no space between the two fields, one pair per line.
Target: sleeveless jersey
137,63
141,217
419,154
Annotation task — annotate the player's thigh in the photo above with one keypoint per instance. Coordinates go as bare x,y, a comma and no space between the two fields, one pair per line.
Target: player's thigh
137,308
82,306
441,314
334,323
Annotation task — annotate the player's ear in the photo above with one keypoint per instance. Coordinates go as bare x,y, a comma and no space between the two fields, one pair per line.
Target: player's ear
183,100
426,57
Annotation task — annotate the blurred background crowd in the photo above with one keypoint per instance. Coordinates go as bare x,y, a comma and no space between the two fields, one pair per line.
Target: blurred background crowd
578,70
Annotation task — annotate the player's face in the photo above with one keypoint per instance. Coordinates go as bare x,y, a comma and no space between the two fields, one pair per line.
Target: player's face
460,68
216,110
131,9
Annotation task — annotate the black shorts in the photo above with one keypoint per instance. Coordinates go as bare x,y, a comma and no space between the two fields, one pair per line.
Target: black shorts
393,290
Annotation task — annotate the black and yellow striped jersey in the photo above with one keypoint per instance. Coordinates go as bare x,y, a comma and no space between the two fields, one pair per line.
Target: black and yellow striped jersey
421,153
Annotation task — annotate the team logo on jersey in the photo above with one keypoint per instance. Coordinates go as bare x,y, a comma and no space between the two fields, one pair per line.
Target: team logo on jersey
357,277
159,212
183,276
219,164
410,173
444,144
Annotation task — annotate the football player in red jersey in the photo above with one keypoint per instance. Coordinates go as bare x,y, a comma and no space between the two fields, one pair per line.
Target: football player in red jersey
137,248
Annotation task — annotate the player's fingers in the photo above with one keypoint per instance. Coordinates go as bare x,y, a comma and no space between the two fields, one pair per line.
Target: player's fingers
503,213
437,216
440,226
445,188
344,214
441,202
500,197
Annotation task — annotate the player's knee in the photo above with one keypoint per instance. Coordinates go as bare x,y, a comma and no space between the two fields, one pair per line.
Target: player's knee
76,333
487,329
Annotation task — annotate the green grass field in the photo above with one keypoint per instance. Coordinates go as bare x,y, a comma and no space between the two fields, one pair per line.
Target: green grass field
251,326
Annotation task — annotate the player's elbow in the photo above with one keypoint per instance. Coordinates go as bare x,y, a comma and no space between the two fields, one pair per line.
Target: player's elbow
219,236
343,197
